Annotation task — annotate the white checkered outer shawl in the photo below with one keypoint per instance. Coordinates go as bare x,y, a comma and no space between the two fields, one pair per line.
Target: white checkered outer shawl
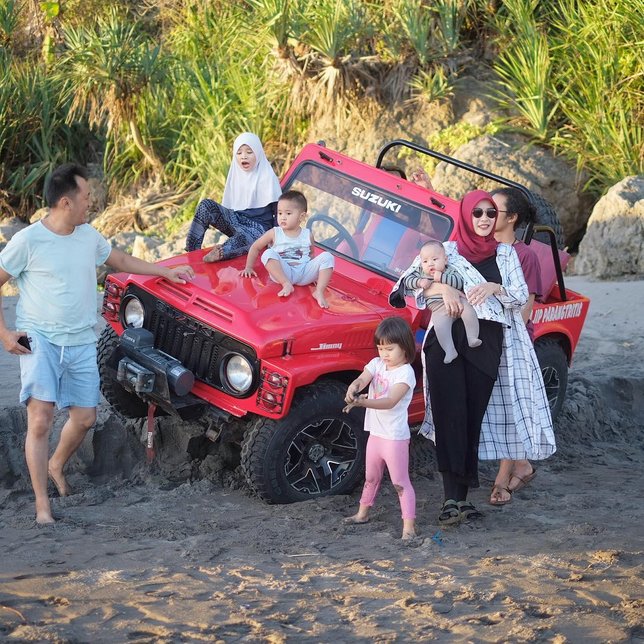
517,423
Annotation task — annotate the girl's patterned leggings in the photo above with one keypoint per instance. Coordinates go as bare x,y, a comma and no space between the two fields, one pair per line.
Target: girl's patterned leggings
240,230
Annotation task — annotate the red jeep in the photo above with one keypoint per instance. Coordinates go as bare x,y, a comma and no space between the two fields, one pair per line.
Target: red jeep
273,371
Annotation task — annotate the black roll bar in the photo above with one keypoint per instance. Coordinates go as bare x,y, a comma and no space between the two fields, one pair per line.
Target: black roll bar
451,161
530,229
555,254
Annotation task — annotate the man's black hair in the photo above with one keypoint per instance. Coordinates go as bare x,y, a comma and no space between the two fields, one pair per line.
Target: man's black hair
517,204
297,197
62,182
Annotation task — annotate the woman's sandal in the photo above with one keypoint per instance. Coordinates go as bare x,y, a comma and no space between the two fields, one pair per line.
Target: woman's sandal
496,491
468,512
450,513
523,481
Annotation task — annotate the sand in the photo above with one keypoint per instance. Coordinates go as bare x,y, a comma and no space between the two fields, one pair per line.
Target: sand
182,552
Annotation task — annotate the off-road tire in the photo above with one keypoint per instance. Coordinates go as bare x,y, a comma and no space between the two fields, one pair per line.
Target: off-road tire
314,432
554,369
124,402
546,216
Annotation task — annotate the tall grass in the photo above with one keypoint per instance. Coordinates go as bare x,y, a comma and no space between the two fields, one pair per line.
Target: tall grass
451,17
34,134
524,66
282,18
108,66
216,95
168,89
599,77
432,85
9,18
572,73
415,20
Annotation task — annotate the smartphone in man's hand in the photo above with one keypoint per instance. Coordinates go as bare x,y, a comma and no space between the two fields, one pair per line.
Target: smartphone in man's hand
24,341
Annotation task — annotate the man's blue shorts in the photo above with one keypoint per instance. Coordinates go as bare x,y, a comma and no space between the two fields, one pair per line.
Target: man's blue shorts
67,376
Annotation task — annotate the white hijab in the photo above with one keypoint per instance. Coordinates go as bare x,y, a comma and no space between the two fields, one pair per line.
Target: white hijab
253,189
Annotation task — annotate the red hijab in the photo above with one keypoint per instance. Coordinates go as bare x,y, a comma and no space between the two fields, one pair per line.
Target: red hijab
470,245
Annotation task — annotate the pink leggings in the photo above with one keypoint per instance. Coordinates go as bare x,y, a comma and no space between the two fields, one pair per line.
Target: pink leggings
395,455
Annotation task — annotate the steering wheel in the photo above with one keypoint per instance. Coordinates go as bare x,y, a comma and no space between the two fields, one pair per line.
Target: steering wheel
342,235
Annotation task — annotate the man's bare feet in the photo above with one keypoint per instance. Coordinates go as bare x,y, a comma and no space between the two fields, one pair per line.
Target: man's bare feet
43,513
320,299
357,518
287,289
59,481
45,519
216,254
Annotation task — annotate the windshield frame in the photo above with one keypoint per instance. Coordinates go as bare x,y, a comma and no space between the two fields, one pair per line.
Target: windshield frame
387,229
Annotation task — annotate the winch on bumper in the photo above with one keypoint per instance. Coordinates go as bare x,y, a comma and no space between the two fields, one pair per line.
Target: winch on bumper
150,373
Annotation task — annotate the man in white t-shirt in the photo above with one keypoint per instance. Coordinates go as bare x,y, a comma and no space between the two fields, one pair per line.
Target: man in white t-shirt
54,264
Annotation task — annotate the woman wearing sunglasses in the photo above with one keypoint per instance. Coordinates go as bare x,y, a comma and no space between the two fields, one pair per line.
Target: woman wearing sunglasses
490,399
516,211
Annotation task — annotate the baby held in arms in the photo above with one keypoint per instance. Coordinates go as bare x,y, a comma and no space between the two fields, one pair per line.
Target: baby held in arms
433,268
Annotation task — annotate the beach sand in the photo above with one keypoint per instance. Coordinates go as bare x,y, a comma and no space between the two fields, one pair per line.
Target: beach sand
183,553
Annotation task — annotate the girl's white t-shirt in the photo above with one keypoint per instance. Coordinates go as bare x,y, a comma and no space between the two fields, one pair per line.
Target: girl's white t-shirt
389,423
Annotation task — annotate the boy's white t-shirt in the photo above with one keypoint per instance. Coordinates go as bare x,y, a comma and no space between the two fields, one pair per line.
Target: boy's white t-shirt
56,275
295,251
389,423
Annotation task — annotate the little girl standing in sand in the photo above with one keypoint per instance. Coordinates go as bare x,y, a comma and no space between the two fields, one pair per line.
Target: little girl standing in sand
391,383
248,206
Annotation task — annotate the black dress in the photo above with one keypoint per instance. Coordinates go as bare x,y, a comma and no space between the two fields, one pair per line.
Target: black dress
459,392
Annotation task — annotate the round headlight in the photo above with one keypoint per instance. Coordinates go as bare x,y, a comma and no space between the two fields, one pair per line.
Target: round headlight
133,313
239,373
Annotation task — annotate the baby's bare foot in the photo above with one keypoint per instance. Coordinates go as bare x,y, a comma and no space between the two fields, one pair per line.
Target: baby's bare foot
475,343
408,534
321,300
356,518
287,289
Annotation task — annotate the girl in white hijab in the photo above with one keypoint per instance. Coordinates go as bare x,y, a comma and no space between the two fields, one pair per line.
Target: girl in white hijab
248,206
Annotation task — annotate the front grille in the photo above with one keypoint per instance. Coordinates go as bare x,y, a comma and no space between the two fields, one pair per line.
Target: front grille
184,341
200,348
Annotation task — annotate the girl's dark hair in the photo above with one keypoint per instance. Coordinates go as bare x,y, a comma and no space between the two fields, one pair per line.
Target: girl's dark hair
395,330
62,182
519,205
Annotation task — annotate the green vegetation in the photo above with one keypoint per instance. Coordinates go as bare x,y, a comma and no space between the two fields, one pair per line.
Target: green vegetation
156,92
572,72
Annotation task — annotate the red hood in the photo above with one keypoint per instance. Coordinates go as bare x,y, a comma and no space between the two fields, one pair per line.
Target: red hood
250,310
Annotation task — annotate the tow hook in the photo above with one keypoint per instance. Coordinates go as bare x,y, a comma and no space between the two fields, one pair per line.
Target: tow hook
149,450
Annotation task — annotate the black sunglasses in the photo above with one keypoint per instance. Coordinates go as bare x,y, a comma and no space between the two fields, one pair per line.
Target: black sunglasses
477,213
